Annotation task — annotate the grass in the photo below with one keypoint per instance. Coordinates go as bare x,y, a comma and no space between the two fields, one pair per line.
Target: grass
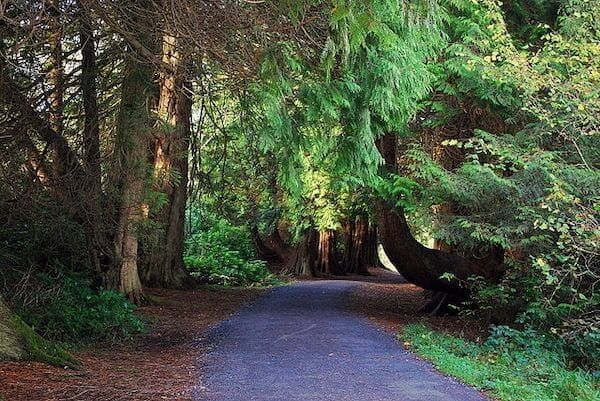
504,372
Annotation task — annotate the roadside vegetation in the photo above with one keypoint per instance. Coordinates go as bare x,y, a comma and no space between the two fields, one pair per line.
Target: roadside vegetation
510,365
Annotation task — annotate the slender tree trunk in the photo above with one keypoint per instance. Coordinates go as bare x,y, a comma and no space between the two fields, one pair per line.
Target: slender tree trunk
65,183
55,78
371,247
327,261
164,265
97,242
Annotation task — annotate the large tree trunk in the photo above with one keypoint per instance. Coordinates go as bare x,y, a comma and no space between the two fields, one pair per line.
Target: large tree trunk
327,260
11,342
420,265
357,250
133,137
164,265
303,262
263,251
18,341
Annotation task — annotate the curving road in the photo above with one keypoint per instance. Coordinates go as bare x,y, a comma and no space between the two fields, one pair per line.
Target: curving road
300,343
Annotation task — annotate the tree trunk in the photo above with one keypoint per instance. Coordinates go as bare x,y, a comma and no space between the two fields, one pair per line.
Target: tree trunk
55,78
303,262
371,247
94,223
327,261
358,248
133,132
164,266
11,342
264,251
18,341
420,265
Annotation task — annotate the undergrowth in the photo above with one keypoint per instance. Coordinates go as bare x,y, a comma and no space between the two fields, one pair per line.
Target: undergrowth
511,365
79,315
222,253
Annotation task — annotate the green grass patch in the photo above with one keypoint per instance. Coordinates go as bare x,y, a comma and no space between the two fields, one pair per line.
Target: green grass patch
508,370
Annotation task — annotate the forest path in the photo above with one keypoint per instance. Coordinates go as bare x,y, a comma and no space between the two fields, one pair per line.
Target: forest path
301,343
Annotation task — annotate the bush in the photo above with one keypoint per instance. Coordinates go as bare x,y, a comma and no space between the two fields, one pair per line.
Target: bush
223,254
79,315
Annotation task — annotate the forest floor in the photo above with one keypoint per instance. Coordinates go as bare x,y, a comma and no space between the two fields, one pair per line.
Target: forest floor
160,364
391,304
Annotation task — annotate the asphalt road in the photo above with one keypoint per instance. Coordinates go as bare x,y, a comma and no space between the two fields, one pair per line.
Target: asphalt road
299,342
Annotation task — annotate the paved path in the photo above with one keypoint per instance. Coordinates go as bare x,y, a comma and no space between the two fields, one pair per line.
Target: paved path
299,343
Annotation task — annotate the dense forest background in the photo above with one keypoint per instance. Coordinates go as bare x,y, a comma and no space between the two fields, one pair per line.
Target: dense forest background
154,143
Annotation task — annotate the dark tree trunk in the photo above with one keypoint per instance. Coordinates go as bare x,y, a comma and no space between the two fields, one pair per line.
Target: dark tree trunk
303,261
327,260
356,250
420,265
264,251
98,248
278,245
371,247
55,78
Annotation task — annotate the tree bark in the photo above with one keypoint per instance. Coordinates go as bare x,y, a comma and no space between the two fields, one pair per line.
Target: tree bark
98,248
420,265
327,260
11,342
55,78
303,262
264,252
164,266
133,134
357,257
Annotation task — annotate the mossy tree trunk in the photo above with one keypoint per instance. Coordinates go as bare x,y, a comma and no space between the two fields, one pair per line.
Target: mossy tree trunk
11,343
18,341
132,169
163,266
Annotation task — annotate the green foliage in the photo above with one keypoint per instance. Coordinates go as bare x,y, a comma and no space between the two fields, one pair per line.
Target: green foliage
221,253
78,315
524,124
398,190
511,365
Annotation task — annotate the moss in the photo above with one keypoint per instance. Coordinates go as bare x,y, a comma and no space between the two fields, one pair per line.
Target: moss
39,349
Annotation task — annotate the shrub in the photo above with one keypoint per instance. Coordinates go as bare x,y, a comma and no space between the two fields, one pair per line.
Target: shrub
223,254
79,315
